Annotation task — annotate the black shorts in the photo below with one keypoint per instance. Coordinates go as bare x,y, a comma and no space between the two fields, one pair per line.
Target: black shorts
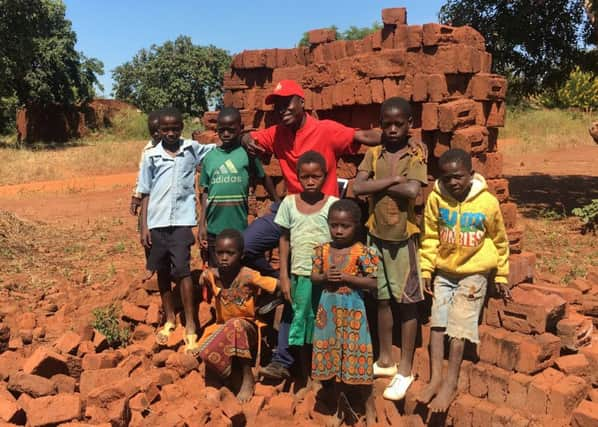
171,251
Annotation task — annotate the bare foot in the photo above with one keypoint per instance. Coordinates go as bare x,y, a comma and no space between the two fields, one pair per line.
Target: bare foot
428,392
246,391
444,398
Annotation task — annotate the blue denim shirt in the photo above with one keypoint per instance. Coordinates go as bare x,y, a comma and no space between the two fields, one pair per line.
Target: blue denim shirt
170,183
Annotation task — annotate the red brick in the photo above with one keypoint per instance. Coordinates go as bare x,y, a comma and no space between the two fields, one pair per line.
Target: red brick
518,387
509,351
497,114
182,363
322,35
430,116
473,139
538,395
500,189
45,362
574,364
254,59
100,361
488,87
482,414
574,331
529,312
401,37
478,383
538,352
489,343
68,343
362,93
466,35
437,88
132,313
32,385
384,64
498,384
422,364
10,363
446,59
52,410
509,214
11,411
377,90
515,236
64,383
572,296
464,406
420,88
414,36
435,34
502,417
455,114
521,268
489,165
565,395
391,88
343,94
288,73
93,379
591,353
394,16
585,415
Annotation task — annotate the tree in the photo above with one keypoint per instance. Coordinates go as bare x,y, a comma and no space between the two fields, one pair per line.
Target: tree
535,43
351,33
38,60
179,74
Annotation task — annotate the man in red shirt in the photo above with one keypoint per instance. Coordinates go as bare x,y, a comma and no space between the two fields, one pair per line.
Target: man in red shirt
299,132
296,134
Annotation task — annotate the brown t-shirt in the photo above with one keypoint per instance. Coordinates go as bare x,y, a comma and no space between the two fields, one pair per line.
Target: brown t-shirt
393,218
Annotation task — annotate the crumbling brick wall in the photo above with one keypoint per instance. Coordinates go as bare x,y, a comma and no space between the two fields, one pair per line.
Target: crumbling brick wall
535,364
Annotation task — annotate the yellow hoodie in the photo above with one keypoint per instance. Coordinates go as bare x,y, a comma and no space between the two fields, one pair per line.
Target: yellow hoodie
466,237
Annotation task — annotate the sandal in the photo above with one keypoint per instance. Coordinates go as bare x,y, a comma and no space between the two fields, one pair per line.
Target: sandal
163,334
191,345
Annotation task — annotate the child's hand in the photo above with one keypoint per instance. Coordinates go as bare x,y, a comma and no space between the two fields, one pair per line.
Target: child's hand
135,205
145,237
285,288
203,238
334,274
428,287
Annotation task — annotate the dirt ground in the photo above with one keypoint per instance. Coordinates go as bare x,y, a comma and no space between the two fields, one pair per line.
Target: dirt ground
78,242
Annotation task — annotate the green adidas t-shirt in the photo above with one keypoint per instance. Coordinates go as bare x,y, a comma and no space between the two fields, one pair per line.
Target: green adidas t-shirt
225,175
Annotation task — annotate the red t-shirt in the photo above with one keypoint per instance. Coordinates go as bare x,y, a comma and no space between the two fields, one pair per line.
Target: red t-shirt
327,137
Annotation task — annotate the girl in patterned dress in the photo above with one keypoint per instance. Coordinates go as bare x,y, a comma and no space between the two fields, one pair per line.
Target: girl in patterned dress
229,346
342,347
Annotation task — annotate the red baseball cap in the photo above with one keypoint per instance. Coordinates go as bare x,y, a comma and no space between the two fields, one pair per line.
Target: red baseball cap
285,88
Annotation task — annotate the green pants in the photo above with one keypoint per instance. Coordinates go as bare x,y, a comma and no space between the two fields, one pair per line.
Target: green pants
306,298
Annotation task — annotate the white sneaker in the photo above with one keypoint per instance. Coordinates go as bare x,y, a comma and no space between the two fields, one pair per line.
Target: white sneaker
398,386
379,371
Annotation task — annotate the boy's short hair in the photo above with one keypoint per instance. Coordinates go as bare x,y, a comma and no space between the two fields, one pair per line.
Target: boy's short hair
234,235
397,103
312,156
172,112
346,205
231,112
153,115
456,155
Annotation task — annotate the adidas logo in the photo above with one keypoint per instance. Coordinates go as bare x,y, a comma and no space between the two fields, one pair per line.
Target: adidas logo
227,173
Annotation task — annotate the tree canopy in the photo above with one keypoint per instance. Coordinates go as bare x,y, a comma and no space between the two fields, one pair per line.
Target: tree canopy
179,74
38,60
534,43
351,33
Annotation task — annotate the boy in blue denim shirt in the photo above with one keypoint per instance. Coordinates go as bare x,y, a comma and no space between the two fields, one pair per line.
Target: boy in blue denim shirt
167,176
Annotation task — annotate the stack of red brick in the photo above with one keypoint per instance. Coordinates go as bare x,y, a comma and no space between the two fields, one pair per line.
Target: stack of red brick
444,71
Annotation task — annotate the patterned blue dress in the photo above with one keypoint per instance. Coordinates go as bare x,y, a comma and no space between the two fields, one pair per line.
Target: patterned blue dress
342,346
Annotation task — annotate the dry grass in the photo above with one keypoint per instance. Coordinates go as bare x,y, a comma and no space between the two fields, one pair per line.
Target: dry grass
537,130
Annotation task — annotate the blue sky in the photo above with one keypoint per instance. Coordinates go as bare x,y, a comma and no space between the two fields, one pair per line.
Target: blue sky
114,30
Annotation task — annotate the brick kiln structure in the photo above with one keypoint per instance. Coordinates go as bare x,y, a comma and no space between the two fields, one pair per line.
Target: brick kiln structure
535,364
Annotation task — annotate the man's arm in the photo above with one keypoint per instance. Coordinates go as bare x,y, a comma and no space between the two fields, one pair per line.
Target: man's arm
370,137
266,181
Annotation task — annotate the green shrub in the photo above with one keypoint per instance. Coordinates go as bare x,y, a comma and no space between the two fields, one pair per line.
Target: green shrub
588,215
580,90
105,321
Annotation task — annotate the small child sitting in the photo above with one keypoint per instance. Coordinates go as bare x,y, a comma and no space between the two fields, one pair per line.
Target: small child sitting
229,346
